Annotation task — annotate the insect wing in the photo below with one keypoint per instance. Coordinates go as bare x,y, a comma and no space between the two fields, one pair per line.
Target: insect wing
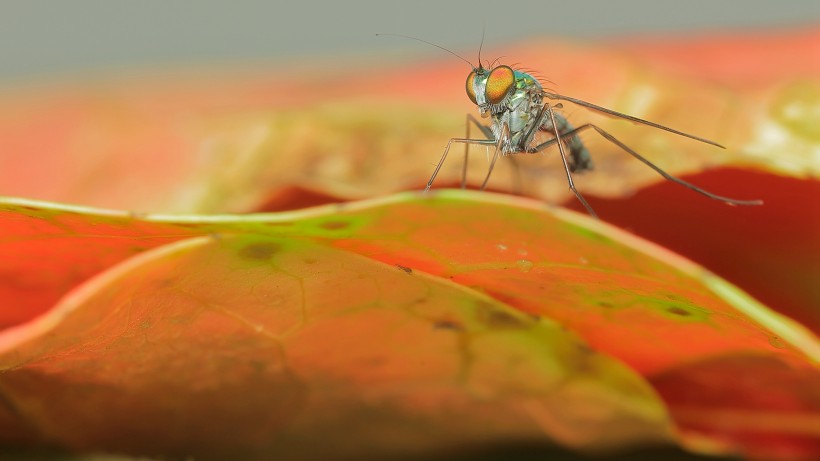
612,113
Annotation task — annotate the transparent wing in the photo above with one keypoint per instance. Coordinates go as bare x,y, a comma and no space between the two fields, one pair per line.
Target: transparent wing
612,113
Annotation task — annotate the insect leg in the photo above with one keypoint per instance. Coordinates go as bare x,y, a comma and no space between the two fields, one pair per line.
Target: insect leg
505,135
483,142
559,140
466,156
487,132
630,151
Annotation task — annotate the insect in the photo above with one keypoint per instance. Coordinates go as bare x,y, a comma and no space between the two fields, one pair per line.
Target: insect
518,108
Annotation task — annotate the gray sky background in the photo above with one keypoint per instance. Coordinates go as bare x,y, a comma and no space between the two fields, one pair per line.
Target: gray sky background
50,38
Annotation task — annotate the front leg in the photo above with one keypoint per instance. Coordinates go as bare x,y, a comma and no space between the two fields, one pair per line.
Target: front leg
487,132
502,142
482,142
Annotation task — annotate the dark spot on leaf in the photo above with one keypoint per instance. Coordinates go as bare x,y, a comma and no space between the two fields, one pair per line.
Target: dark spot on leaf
163,283
261,251
448,324
405,268
605,304
775,341
497,318
585,349
258,366
310,260
679,311
334,225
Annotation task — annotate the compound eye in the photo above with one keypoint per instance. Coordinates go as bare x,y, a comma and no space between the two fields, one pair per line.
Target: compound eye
471,88
499,84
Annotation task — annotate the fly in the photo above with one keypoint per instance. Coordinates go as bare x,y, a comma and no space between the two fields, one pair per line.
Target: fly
518,108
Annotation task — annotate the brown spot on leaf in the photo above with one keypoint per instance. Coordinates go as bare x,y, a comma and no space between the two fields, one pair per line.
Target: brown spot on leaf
679,311
777,342
184,225
334,225
405,268
584,348
260,251
494,317
448,324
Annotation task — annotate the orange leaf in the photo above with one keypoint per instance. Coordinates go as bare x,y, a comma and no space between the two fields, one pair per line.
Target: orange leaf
294,288
258,345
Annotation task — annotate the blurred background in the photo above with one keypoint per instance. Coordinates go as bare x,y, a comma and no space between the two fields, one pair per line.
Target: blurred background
56,39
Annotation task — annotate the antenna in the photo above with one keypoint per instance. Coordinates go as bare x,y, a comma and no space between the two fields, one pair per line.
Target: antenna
437,46
483,29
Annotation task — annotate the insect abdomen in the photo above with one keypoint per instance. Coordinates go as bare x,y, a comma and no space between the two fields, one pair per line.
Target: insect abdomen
579,158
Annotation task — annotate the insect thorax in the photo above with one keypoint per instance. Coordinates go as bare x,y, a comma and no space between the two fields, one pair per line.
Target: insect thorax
522,110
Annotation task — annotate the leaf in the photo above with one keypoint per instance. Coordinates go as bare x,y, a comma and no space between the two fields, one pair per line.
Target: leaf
380,315
253,344
770,251
772,413
47,251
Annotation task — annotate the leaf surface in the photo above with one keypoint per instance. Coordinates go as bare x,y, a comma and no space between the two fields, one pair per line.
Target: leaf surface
259,344
389,311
